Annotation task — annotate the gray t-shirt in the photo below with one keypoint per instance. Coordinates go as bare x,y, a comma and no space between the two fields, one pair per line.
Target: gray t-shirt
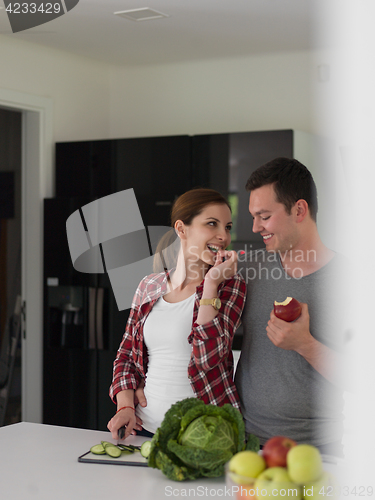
280,392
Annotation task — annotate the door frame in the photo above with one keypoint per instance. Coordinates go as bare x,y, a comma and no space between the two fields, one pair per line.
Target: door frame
37,183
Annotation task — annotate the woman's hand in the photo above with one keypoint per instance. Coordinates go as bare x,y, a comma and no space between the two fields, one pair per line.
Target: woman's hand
222,271
127,418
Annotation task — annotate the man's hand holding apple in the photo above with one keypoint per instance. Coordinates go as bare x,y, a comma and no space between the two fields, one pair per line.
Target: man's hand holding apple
291,336
296,336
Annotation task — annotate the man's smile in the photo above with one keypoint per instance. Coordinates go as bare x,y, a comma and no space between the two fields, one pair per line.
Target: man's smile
266,237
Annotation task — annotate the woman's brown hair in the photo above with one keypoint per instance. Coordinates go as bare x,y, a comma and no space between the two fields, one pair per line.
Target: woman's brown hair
192,203
185,208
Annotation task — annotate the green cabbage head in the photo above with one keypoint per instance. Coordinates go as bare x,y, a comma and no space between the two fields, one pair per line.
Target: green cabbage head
196,439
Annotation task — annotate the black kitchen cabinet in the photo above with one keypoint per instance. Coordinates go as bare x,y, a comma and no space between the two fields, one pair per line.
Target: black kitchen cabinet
57,261
85,169
210,161
106,407
70,387
157,168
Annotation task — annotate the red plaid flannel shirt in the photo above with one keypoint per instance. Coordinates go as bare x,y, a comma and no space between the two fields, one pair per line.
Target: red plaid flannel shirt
210,369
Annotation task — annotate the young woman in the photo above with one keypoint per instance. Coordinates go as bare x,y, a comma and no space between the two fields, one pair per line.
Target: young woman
178,336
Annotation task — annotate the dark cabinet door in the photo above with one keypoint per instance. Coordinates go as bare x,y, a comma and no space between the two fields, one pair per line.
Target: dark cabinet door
85,169
158,169
106,408
57,260
70,388
210,161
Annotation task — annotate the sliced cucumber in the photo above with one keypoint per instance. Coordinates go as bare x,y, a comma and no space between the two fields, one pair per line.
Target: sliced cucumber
126,452
111,449
114,451
135,448
98,449
106,443
125,447
145,449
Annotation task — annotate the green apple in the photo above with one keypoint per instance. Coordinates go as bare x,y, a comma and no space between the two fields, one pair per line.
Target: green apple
246,463
276,483
304,463
326,486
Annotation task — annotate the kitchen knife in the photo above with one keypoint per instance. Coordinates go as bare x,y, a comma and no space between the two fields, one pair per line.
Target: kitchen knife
121,434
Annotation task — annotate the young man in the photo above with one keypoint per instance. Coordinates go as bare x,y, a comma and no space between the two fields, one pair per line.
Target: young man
288,374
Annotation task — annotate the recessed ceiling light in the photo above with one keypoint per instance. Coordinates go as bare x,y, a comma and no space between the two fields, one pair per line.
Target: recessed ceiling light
142,14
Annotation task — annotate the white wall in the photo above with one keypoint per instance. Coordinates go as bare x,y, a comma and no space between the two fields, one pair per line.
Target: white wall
93,100
78,86
223,95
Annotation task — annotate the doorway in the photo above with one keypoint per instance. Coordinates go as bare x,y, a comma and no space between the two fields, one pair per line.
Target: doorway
36,184
10,256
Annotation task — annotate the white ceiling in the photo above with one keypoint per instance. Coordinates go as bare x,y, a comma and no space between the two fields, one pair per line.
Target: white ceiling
194,30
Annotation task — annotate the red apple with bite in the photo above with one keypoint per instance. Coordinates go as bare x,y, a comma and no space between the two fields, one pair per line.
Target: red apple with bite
276,449
289,310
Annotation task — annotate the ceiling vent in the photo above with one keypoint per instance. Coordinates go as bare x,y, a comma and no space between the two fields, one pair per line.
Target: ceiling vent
143,14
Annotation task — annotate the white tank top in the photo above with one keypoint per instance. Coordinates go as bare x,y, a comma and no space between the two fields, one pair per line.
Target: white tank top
165,331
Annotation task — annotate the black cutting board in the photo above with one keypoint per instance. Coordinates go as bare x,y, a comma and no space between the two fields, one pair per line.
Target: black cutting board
125,459
134,459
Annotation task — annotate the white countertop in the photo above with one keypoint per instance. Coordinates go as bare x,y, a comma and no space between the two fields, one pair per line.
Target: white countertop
40,462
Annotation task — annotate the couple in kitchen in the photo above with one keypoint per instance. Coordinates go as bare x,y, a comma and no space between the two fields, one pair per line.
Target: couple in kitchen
183,319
